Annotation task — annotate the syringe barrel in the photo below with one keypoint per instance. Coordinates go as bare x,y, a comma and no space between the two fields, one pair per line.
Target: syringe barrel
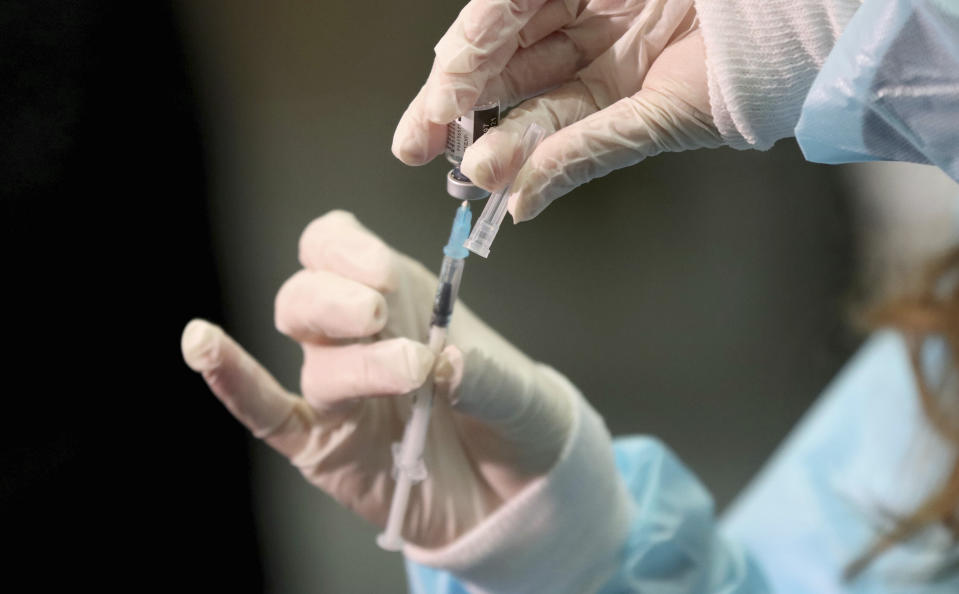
408,453
408,457
391,539
451,273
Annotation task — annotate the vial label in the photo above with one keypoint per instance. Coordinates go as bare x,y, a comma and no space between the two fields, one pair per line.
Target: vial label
467,129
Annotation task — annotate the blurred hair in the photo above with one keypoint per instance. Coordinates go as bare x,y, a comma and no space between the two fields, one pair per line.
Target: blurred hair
931,311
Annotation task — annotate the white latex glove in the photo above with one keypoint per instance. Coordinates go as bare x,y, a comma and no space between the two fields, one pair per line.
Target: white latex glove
628,79
361,311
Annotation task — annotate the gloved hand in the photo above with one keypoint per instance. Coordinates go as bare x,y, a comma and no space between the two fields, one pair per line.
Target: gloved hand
628,79
361,312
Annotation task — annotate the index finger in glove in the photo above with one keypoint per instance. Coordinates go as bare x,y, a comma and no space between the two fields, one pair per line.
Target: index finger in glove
495,159
338,243
317,306
247,390
479,43
494,50
335,376
480,29
421,134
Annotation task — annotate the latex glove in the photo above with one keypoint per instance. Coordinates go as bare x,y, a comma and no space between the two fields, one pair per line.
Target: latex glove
628,79
361,311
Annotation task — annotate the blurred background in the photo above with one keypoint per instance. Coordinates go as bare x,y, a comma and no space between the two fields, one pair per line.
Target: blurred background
159,163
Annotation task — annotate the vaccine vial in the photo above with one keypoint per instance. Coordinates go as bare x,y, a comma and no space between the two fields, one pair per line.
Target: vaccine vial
460,134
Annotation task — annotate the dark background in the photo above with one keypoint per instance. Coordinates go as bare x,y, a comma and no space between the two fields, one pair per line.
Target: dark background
159,163
116,470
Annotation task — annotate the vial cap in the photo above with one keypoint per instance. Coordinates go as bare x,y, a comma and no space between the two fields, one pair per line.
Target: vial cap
460,187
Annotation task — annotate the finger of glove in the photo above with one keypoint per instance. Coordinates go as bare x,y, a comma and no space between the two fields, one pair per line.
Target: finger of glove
333,376
511,402
530,71
620,70
566,38
495,159
623,134
542,62
550,17
317,305
555,45
417,140
448,374
463,75
336,242
480,30
247,390
477,46
451,94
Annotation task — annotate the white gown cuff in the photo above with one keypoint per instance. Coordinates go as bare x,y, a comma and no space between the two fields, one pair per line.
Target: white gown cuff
563,533
761,59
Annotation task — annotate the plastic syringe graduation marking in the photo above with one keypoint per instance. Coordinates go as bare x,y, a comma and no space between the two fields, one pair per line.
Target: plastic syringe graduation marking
408,467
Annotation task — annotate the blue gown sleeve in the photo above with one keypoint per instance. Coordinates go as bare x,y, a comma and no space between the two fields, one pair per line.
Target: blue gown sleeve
673,543
889,89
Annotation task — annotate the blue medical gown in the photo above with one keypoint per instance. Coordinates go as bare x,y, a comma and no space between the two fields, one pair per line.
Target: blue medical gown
889,89
864,455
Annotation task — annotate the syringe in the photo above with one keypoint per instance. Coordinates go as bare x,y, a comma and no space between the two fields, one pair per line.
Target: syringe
408,467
